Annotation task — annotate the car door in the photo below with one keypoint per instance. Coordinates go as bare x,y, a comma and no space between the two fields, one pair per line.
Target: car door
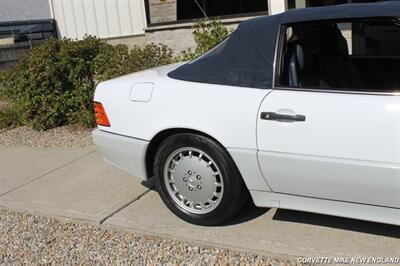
337,146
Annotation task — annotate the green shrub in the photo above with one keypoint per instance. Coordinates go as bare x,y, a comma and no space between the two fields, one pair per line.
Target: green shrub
3,76
3,79
114,61
10,116
207,34
150,56
53,82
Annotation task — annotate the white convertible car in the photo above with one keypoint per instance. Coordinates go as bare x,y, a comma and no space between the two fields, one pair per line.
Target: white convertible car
297,111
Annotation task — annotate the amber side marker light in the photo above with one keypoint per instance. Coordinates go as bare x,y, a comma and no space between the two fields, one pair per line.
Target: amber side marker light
101,116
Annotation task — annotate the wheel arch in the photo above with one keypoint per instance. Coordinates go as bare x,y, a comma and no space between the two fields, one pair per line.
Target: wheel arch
161,136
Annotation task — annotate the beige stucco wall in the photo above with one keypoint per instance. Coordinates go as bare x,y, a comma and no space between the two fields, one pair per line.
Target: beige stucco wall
131,41
178,37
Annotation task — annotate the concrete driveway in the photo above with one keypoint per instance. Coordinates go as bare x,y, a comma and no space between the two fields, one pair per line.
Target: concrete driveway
75,184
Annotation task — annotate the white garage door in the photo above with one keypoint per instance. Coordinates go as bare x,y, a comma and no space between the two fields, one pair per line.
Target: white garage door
101,18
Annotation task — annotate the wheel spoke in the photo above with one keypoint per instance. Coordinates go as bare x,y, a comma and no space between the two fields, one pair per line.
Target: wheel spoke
217,194
192,180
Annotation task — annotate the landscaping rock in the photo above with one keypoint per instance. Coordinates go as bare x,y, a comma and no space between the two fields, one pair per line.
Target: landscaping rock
67,137
30,239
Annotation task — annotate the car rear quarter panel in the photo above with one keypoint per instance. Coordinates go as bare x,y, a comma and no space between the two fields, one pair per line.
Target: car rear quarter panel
226,113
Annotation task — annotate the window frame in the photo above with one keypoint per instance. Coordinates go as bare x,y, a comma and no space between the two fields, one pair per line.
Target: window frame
184,21
279,61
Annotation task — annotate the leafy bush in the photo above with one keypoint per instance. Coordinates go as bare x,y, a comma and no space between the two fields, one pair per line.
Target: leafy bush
151,56
54,84
3,78
207,34
114,61
10,116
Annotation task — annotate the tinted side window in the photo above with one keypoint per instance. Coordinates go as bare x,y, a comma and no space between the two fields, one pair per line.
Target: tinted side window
351,55
377,38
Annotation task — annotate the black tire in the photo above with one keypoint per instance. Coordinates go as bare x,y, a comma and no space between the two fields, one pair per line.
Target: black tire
235,192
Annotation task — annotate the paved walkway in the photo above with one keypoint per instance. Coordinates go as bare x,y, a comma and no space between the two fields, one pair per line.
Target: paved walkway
75,184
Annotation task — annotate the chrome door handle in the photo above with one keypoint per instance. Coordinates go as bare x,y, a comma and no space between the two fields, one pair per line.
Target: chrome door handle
282,117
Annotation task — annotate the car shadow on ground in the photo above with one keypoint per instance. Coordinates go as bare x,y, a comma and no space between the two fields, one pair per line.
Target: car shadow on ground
250,212
338,223
247,213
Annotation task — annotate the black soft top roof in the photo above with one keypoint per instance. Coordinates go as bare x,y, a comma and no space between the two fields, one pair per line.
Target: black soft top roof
246,59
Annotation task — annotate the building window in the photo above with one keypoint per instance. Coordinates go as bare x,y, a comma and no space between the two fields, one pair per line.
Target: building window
176,11
316,3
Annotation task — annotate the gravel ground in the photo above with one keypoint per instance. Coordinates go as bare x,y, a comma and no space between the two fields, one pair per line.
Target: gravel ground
68,137
30,239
